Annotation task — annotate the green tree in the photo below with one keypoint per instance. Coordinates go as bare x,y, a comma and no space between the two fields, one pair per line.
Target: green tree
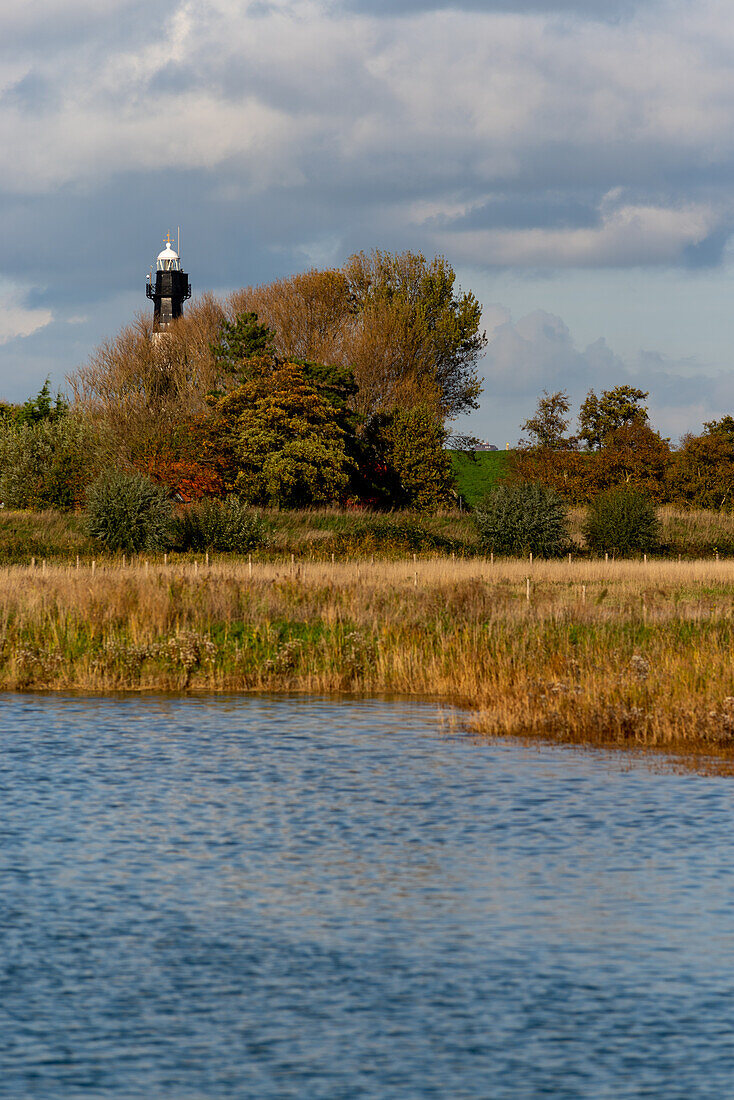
549,425
47,463
617,408
285,442
41,407
415,451
238,343
128,511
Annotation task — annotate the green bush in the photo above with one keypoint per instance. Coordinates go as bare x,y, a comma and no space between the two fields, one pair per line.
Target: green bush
225,525
621,521
128,511
522,519
46,463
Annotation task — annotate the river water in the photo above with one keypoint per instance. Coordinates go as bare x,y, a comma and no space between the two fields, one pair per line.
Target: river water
294,897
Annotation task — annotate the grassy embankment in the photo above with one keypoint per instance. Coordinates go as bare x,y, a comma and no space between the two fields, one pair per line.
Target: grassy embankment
58,537
478,472
609,653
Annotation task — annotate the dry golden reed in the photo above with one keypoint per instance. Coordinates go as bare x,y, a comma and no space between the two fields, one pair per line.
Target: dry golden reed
619,652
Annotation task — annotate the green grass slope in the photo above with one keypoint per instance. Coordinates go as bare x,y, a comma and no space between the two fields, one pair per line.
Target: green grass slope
478,472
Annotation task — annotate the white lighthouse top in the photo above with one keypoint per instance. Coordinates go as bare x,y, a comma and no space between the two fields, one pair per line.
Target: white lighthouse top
168,259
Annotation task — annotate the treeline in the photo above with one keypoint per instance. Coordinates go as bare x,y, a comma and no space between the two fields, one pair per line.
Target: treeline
616,445
328,387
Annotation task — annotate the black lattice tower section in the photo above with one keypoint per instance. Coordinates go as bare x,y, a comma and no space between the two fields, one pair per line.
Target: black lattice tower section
170,290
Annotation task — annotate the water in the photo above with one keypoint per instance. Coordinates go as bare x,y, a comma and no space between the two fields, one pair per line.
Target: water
288,897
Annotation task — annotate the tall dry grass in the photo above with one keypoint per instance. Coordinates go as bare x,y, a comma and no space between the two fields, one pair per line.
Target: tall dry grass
616,652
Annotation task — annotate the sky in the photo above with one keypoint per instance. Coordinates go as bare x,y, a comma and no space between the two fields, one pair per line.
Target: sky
572,159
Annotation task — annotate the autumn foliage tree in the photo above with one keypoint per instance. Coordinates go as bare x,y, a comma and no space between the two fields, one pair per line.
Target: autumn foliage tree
144,394
613,409
621,447
703,474
397,320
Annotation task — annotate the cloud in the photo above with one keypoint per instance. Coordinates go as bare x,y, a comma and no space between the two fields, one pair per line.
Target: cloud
16,318
624,236
510,134
599,9
538,352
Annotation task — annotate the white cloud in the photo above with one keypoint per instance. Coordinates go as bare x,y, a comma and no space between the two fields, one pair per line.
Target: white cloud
16,318
626,236
538,352
437,111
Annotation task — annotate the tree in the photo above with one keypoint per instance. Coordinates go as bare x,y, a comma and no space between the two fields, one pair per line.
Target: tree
571,472
42,407
617,408
285,444
399,321
723,427
621,520
144,394
634,455
703,472
549,425
127,511
415,441
445,320
47,463
238,342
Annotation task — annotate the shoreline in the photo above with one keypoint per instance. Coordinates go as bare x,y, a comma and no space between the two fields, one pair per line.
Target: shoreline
604,654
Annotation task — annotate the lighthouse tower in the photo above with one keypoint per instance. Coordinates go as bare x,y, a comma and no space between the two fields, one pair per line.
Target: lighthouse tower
170,290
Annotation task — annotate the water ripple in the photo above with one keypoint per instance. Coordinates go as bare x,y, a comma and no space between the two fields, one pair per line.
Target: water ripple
289,897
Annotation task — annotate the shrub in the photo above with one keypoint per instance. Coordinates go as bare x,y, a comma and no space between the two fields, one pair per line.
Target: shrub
46,463
621,520
521,519
225,525
127,511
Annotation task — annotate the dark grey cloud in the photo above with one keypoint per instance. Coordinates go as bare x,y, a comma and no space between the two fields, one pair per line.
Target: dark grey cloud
286,133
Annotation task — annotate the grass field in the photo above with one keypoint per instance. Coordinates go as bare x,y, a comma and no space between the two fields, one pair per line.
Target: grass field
58,537
615,653
478,472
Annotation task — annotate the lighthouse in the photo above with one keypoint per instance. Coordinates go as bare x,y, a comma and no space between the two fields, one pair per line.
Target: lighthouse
171,288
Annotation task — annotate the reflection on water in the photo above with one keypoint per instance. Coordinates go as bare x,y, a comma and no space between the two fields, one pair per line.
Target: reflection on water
288,897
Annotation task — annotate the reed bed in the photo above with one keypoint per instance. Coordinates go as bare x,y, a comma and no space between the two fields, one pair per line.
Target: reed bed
625,653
